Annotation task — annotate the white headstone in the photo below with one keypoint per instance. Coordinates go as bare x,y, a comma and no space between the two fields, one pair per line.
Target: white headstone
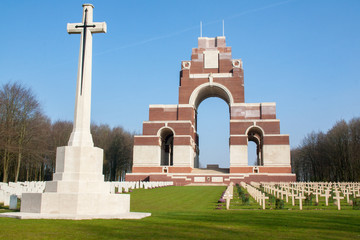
13,202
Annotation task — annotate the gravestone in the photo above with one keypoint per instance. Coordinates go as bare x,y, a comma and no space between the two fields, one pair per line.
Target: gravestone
317,194
301,198
326,195
338,198
292,195
13,202
228,196
287,194
2,196
263,198
6,198
347,193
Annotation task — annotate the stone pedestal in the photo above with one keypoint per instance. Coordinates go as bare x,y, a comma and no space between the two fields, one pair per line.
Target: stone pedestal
85,204
78,191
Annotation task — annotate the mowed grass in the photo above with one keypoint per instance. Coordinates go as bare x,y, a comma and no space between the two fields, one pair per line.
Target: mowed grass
189,213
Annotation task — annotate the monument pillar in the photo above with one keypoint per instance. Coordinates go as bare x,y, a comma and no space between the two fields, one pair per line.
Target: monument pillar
80,160
78,190
81,135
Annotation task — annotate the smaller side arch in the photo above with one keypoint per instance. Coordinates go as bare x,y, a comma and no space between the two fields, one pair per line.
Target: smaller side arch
165,129
260,129
256,135
166,138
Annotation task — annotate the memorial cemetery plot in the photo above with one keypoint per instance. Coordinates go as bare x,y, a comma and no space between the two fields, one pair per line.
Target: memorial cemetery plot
260,196
189,212
294,196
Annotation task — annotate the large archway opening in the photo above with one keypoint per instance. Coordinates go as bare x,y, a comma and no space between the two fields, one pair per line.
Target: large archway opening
208,90
167,147
213,129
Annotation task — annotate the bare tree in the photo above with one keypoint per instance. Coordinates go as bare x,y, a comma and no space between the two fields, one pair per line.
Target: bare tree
59,136
28,139
354,148
19,110
334,156
8,109
117,144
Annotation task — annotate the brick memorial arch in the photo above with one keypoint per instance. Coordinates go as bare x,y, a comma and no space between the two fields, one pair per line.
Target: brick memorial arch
168,147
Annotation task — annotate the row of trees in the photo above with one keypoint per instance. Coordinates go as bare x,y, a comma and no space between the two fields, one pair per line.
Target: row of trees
331,156
28,139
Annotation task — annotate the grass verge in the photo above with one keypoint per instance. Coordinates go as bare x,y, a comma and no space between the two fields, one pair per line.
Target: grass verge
189,213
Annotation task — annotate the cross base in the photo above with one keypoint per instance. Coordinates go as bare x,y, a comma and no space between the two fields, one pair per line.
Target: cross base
21,215
78,191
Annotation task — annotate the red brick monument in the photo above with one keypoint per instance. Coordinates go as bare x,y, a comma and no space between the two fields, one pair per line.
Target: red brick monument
168,148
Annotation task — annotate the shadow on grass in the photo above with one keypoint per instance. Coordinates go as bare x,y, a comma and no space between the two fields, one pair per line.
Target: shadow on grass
6,209
227,224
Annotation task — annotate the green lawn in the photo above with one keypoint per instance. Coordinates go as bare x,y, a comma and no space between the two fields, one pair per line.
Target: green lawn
189,213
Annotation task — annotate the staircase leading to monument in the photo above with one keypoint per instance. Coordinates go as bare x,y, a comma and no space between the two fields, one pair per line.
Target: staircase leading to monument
210,171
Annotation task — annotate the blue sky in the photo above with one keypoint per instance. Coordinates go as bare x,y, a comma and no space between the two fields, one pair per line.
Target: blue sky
303,55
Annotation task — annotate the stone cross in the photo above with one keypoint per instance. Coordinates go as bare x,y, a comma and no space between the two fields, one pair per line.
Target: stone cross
338,198
316,193
81,135
263,198
326,195
278,192
228,196
293,195
287,194
282,192
336,191
301,198
354,191
347,193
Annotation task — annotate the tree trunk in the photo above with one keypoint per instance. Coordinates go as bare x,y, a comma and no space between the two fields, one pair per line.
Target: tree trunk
27,173
5,166
17,169
35,174
40,173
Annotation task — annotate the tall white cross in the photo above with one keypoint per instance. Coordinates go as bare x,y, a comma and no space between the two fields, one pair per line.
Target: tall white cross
263,198
317,193
228,196
300,197
326,195
81,135
293,195
347,193
338,198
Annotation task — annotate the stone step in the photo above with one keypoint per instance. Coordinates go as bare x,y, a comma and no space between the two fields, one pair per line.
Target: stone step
210,171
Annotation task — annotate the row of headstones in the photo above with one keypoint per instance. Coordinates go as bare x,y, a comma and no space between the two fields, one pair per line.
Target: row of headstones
10,192
125,187
253,190
299,190
346,188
